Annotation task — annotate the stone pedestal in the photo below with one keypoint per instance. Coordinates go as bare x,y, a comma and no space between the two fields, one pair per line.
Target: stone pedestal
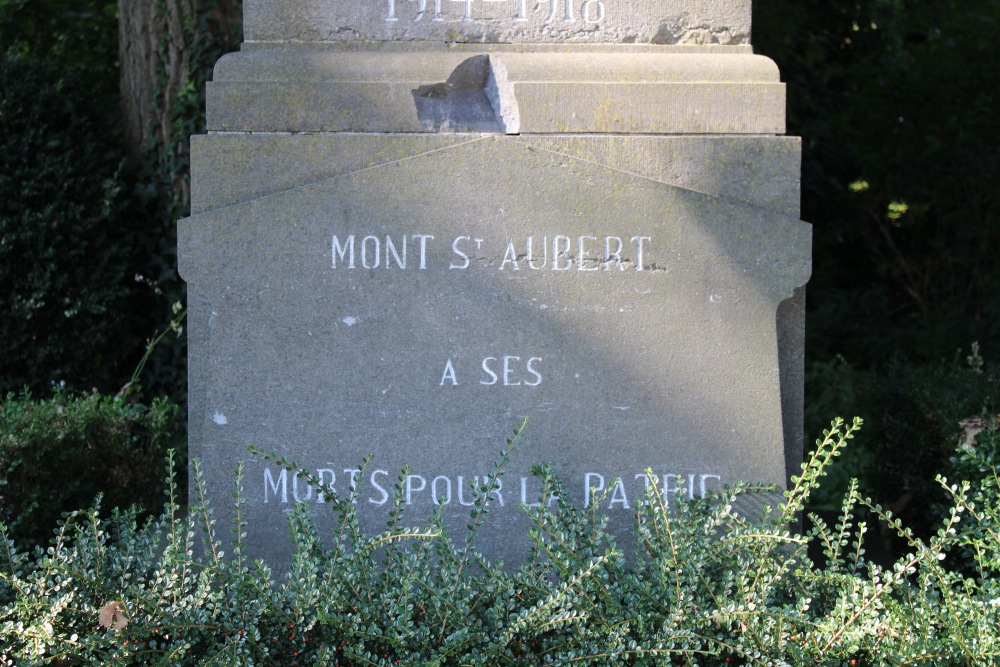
414,223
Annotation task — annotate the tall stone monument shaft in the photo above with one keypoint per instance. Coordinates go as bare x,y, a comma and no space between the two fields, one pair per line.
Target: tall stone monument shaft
416,221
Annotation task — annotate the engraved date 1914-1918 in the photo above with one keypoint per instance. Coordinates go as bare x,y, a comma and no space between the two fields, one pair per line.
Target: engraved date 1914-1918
559,11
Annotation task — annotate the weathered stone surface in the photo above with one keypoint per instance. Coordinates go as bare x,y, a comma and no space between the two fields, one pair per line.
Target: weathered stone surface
415,222
638,332
491,89
611,21
464,90
229,168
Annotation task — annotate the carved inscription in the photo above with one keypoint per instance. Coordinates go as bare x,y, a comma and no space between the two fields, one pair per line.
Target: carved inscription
557,252
623,492
506,370
563,11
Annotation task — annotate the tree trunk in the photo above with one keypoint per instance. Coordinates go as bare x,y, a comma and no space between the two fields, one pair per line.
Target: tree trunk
168,48
140,31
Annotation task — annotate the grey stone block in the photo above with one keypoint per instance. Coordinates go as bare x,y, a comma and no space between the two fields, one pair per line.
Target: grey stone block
414,222
665,91
397,309
597,21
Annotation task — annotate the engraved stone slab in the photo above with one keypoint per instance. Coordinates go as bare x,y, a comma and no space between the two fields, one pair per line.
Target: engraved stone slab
417,307
699,22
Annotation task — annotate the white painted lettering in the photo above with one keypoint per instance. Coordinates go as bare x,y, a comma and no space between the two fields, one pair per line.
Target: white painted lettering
462,255
615,241
498,491
554,10
510,257
444,489
524,494
449,374
618,495
639,264
593,484
668,488
437,497
377,259
295,488
342,252
560,250
593,11
489,371
507,371
468,9
390,249
423,239
647,483
704,478
330,488
353,473
538,376
411,488
423,8
545,257
583,254
274,484
339,250
461,486
380,488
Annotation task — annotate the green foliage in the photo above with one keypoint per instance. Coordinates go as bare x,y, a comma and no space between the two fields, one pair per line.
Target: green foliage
914,414
87,240
57,455
703,584
900,164
68,236
80,35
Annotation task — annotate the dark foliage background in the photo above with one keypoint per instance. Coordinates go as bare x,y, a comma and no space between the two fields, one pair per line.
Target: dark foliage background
68,244
88,253
896,102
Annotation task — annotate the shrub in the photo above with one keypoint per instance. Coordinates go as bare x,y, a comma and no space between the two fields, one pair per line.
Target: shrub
704,585
58,454
69,235
912,413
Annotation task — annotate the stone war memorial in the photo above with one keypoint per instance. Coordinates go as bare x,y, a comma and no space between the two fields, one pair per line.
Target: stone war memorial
415,222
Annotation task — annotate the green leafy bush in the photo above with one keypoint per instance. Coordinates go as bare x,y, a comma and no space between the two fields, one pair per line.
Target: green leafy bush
703,585
69,230
913,414
58,454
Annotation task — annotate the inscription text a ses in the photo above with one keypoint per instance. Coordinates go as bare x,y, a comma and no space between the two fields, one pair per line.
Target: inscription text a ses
505,370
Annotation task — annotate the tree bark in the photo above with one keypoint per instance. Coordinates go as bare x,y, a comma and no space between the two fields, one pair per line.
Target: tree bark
161,50
140,31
